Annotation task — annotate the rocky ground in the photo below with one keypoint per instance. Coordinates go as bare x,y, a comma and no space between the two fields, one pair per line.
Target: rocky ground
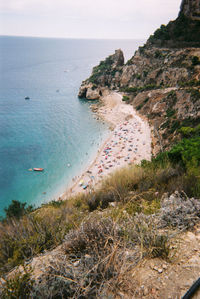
72,272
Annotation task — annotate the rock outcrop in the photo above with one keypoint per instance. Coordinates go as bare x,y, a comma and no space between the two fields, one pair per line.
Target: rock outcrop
102,76
184,31
191,9
89,92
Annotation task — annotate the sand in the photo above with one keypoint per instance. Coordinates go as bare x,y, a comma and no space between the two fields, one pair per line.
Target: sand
129,142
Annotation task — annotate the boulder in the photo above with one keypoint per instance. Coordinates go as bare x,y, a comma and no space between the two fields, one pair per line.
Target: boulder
92,94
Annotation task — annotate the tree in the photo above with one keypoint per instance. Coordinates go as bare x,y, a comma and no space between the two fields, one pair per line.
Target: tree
17,209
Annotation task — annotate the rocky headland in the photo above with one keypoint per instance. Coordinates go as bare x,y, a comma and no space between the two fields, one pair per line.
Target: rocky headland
161,80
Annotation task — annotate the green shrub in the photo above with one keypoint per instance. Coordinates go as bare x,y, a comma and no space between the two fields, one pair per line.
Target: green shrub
140,88
170,112
139,107
189,83
18,287
186,131
186,152
195,60
17,209
35,232
174,126
125,98
146,100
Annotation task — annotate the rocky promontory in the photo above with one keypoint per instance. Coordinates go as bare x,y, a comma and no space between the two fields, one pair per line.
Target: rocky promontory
102,76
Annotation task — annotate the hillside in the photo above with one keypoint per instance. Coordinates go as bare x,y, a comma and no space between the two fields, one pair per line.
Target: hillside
183,32
160,81
138,234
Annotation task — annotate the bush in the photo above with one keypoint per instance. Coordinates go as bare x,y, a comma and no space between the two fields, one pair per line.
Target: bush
146,100
20,286
195,60
186,131
17,209
125,98
186,152
33,233
139,107
170,112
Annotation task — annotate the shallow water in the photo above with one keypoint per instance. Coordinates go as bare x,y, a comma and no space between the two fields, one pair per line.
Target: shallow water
54,128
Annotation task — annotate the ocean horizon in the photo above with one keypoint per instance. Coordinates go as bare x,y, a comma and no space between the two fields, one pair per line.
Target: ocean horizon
53,129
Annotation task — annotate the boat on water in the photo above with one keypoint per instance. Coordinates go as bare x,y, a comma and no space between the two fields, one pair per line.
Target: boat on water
27,98
38,169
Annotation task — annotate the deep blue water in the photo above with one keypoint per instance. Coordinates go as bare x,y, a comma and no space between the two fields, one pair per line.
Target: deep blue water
54,127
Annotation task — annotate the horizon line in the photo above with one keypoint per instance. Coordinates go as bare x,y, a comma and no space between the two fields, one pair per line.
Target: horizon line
85,38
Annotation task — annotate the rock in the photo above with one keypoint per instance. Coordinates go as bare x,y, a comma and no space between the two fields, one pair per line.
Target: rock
76,264
118,58
88,257
155,268
82,91
191,9
113,204
92,94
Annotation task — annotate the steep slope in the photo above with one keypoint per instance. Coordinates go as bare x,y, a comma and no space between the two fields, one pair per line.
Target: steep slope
161,81
184,31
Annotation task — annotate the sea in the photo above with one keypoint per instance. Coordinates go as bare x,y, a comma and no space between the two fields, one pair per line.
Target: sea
53,129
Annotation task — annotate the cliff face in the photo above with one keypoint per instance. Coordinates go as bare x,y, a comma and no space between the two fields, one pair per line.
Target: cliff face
191,9
183,32
102,75
162,83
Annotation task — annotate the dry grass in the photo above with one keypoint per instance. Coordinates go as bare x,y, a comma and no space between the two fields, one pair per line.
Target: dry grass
40,230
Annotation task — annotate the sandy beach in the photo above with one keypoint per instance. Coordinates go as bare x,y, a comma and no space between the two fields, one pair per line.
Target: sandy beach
129,142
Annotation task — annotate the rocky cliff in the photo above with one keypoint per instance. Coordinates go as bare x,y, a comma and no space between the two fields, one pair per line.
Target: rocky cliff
162,83
184,31
191,9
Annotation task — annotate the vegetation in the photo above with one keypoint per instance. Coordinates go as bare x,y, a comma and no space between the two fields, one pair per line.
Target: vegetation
20,286
98,229
195,60
17,209
140,88
170,112
33,233
181,32
125,98
189,83
139,107
103,69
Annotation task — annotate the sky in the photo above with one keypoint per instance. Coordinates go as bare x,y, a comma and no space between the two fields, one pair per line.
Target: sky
117,19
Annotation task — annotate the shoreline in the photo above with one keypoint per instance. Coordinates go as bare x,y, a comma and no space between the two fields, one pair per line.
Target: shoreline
129,142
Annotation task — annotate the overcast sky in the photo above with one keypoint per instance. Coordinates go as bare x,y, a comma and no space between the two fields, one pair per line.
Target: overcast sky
86,18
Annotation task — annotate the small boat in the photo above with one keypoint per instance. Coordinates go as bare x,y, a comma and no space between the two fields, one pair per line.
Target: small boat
27,98
38,169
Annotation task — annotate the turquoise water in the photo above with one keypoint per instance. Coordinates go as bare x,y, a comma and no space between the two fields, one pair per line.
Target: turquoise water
54,127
